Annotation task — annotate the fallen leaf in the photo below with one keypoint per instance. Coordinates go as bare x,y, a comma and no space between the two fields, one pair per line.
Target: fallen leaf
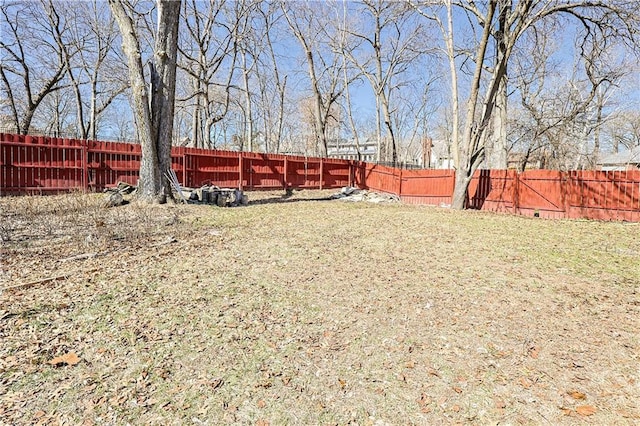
586,410
38,414
500,404
534,352
525,382
566,411
455,408
410,364
262,423
424,401
342,383
577,395
262,404
457,389
70,358
433,372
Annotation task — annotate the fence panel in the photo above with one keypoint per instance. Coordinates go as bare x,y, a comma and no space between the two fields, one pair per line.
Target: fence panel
262,171
111,162
493,190
542,192
377,178
303,172
207,167
604,195
40,164
335,173
432,187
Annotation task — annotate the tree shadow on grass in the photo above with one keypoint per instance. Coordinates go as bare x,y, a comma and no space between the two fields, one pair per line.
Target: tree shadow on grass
288,197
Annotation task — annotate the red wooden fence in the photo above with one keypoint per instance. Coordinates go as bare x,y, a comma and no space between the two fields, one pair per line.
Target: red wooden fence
42,164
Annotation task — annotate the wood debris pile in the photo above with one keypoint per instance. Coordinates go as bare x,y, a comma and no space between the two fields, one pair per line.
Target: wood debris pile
207,194
349,193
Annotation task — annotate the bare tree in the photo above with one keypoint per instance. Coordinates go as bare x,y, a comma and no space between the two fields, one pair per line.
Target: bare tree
272,96
33,59
601,19
309,26
153,109
391,34
561,117
208,55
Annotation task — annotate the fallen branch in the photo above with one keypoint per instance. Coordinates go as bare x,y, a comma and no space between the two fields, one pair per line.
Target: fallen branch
166,241
32,283
79,257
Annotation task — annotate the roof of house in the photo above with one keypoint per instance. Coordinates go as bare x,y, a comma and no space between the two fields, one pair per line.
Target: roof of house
631,156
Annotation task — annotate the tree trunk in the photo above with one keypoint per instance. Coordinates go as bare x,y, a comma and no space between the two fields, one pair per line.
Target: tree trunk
497,149
380,154
469,152
497,144
321,138
389,127
347,93
247,102
154,120
196,124
163,98
460,196
93,120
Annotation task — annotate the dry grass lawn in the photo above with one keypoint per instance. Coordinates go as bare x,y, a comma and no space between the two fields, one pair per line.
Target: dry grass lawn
314,312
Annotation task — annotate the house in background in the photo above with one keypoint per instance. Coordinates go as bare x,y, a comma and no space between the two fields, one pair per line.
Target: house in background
347,149
627,160
433,154
436,154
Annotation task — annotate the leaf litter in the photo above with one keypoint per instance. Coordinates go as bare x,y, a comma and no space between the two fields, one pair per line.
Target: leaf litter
310,312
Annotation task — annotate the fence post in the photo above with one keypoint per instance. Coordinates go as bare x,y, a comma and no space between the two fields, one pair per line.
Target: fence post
400,184
321,171
240,174
184,167
284,177
516,192
565,183
85,164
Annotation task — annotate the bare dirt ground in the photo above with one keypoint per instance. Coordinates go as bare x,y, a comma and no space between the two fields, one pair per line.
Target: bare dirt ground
314,312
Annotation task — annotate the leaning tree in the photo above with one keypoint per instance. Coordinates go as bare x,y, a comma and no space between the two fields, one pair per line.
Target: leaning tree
500,25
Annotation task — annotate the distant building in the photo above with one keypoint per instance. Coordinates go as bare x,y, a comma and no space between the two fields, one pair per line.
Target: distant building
627,160
436,154
348,149
515,160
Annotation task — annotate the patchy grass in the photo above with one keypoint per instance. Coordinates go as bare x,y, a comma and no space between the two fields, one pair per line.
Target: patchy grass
314,312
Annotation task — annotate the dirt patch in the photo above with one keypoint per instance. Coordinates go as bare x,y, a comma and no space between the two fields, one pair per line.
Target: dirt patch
298,309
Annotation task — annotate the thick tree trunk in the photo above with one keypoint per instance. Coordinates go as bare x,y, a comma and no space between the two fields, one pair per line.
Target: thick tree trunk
460,191
154,120
163,99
